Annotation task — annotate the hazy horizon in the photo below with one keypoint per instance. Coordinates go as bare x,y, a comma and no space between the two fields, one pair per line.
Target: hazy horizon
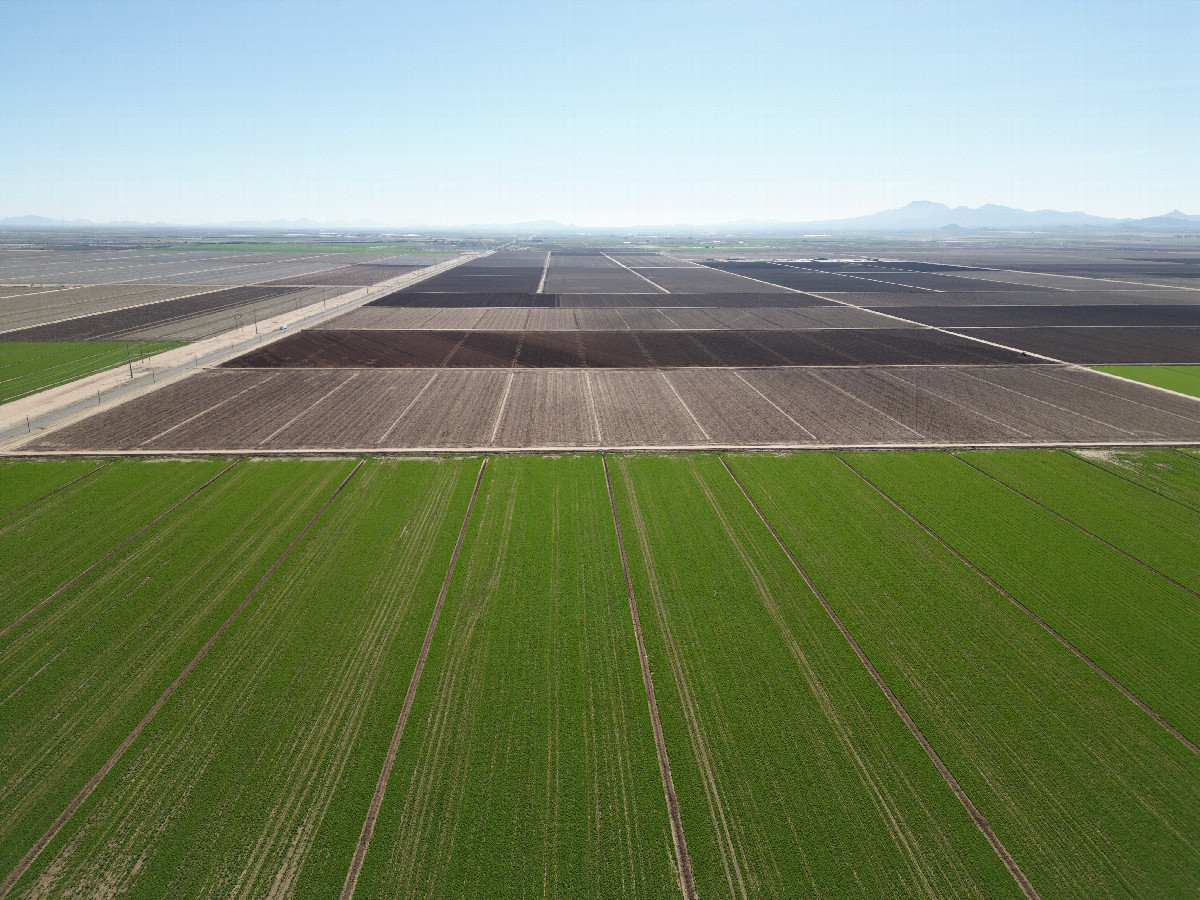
595,115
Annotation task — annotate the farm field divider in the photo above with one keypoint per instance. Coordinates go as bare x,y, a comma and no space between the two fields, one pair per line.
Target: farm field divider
787,759
1090,795
1138,627
81,675
528,763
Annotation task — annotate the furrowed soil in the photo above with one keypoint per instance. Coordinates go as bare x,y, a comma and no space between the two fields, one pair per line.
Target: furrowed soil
254,779
76,678
795,777
1136,625
1090,796
528,764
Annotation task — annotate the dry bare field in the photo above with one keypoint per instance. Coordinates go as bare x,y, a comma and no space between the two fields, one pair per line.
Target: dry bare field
245,409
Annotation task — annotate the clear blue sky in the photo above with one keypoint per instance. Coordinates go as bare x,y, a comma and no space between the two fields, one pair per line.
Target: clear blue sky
606,112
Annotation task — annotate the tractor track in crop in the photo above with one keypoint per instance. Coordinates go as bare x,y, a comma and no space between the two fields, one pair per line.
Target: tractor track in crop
981,822
368,829
65,816
687,881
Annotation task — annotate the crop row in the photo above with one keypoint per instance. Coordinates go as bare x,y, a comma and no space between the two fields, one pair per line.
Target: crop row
79,674
527,761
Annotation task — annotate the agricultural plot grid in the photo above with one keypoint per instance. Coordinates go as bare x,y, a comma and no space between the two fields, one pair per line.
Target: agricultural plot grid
532,350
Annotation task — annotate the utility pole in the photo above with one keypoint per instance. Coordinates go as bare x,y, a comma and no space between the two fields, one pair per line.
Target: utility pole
129,359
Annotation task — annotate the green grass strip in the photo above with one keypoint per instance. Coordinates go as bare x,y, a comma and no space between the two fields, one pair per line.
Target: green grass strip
82,673
1091,796
1184,379
528,764
795,775
30,367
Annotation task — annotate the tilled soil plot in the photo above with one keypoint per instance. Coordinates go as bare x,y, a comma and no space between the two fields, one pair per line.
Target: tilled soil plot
730,410
549,409
894,267
446,408
1033,316
484,279
133,425
598,274
641,409
1130,405
875,300
930,415
736,298
459,409
124,322
253,418
1102,346
29,307
362,274
701,280
377,318
1030,406
803,280
936,282
831,413
616,349
420,296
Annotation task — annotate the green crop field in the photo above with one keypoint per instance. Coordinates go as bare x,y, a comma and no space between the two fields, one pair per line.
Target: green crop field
788,760
874,674
23,483
1139,627
1053,756
1174,474
27,367
1185,379
528,766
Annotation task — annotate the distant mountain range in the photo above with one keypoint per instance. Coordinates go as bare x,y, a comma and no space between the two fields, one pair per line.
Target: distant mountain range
920,215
